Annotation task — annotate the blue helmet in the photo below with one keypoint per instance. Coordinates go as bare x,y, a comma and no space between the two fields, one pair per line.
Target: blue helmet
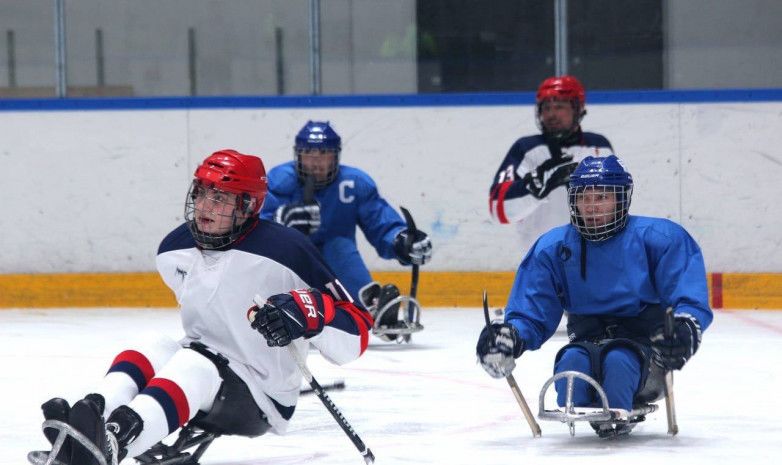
317,138
599,197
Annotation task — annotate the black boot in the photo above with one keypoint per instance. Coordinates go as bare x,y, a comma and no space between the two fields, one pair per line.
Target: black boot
390,318
609,431
125,425
57,409
86,417
368,296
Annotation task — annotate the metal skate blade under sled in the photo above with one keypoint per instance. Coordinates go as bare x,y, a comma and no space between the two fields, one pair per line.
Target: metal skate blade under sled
408,322
599,416
65,430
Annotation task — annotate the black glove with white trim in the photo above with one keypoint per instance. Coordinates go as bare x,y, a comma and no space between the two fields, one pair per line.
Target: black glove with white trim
304,217
498,347
551,174
673,353
415,251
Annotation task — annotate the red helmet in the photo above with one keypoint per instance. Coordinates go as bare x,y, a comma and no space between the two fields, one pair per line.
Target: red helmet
561,88
226,171
237,173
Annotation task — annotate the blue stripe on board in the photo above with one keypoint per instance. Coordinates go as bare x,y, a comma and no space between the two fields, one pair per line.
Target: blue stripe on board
380,100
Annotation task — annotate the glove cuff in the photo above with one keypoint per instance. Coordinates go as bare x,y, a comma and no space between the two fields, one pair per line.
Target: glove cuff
400,248
519,345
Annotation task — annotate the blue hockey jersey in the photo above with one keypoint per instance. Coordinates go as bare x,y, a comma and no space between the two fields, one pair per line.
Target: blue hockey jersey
351,200
651,261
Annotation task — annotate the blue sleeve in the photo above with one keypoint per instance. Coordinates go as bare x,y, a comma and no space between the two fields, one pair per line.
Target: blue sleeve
283,188
379,221
270,206
534,306
680,274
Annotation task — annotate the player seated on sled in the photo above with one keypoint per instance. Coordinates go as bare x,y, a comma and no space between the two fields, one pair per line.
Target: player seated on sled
225,265
614,274
328,201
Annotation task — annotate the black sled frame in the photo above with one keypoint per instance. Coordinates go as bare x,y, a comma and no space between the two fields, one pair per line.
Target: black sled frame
190,437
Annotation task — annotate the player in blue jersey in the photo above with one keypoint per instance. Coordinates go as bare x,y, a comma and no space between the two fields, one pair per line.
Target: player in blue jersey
223,376
614,274
327,200
529,185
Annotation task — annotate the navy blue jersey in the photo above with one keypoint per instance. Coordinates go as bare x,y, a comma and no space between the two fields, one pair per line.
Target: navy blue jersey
651,261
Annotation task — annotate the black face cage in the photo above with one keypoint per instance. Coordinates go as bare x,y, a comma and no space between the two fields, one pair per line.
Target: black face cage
615,219
212,241
302,173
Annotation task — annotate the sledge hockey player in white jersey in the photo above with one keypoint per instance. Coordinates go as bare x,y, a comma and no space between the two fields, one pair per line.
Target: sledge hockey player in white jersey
530,183
615,274
228,374
327,200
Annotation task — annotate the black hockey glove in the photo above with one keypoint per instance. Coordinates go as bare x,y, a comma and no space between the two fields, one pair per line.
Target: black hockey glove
417,251
673,353
551,174
304,217
285,317
498,347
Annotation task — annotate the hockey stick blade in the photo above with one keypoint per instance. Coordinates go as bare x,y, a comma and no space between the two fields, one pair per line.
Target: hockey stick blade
365,452
514,386
335,386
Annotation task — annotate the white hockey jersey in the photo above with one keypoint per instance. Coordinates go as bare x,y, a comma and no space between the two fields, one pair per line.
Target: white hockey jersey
216,288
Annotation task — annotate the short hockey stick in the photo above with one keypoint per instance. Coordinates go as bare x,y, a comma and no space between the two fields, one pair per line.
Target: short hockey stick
369,457
514,387
411,229
670,408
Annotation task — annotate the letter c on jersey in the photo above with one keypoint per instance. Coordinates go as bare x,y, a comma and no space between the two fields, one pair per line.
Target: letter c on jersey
343,195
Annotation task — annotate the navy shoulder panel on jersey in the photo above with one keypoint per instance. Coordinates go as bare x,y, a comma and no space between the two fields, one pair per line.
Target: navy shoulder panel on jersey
592,139
178,239
527,143
290,248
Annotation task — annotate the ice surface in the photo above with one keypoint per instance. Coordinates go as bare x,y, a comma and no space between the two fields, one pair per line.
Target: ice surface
424,403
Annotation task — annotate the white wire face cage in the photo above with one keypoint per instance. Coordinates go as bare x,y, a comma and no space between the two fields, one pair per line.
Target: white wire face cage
220,206
598,212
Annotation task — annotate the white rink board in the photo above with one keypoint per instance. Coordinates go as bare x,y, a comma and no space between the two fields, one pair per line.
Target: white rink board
425,403
97,190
